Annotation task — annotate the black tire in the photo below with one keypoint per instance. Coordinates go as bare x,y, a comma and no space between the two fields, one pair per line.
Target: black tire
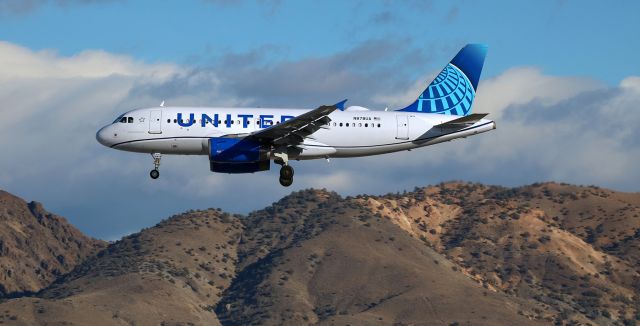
286,172
286,182
154,174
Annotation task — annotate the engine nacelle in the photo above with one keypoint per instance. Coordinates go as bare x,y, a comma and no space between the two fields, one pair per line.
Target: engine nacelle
236,155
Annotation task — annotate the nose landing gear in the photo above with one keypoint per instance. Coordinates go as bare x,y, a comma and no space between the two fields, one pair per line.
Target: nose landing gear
286,171
154,174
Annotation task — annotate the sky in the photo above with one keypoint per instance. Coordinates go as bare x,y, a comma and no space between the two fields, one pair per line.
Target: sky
561,80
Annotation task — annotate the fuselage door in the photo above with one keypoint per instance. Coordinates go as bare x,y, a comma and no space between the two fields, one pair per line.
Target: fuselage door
403,126
155,121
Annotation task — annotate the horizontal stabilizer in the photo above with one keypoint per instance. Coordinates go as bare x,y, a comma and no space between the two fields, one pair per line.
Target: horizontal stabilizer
463,121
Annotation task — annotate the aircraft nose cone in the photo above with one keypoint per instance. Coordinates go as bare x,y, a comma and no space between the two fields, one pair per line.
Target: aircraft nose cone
102,137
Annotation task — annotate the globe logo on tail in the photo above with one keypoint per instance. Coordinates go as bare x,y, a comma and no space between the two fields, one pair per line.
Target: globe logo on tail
450,93
453,90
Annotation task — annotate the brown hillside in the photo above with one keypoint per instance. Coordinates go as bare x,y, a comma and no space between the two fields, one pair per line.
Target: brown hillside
575,249
316,258
313,257
36,246
171,274
452,253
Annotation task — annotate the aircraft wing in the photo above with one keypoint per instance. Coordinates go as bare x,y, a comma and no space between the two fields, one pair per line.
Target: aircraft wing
462,122
293,131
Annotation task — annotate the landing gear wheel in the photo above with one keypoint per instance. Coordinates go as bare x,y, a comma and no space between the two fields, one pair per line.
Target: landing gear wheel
286,182
154,174
286,172
156,165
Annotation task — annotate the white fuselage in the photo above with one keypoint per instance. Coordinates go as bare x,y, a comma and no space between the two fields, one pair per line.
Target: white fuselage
353,132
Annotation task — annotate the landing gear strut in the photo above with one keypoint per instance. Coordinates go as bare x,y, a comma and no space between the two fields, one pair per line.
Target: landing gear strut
286,171
156,163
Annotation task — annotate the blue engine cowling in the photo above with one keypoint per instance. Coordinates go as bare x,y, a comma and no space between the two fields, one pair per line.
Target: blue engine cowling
236,155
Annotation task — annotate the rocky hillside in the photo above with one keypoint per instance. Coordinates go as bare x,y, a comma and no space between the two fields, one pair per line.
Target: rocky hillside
455,253
171,274
314,257
573,249
37,247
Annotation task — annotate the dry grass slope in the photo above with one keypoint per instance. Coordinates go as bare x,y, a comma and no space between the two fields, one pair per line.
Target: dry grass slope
171,274
574,249
454,253
335,263
36,247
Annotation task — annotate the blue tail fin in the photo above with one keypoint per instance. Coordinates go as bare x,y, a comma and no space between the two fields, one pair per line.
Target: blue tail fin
453,90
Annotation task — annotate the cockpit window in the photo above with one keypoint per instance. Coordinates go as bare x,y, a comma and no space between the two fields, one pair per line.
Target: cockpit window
130,119
118,118
123,120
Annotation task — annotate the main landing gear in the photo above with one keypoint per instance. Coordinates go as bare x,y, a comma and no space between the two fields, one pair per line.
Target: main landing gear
286,175
156,163
286,171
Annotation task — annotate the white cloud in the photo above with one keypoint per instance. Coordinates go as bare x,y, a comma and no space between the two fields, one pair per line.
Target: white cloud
336,180
52,105
18,62
404,98
522,85
515,86
631,83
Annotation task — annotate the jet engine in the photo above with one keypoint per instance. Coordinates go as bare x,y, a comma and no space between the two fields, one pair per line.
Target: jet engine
237,155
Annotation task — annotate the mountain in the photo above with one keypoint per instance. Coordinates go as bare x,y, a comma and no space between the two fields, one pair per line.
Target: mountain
450,254
171,273
37,247
314,257
573,249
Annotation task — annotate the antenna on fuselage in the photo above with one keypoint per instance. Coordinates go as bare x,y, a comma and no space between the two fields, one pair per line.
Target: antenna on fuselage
162,104
386,109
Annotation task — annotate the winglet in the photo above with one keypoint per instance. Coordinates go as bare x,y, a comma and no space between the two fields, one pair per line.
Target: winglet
340,105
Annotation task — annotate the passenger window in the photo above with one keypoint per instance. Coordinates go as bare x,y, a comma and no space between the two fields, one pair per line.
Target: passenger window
378,125
360,124
175,120
340,124
366,125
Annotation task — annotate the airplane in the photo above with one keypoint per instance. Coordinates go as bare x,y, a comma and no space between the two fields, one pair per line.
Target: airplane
245,140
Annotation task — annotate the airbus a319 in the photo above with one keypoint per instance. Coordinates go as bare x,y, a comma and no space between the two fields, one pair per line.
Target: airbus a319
246,140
